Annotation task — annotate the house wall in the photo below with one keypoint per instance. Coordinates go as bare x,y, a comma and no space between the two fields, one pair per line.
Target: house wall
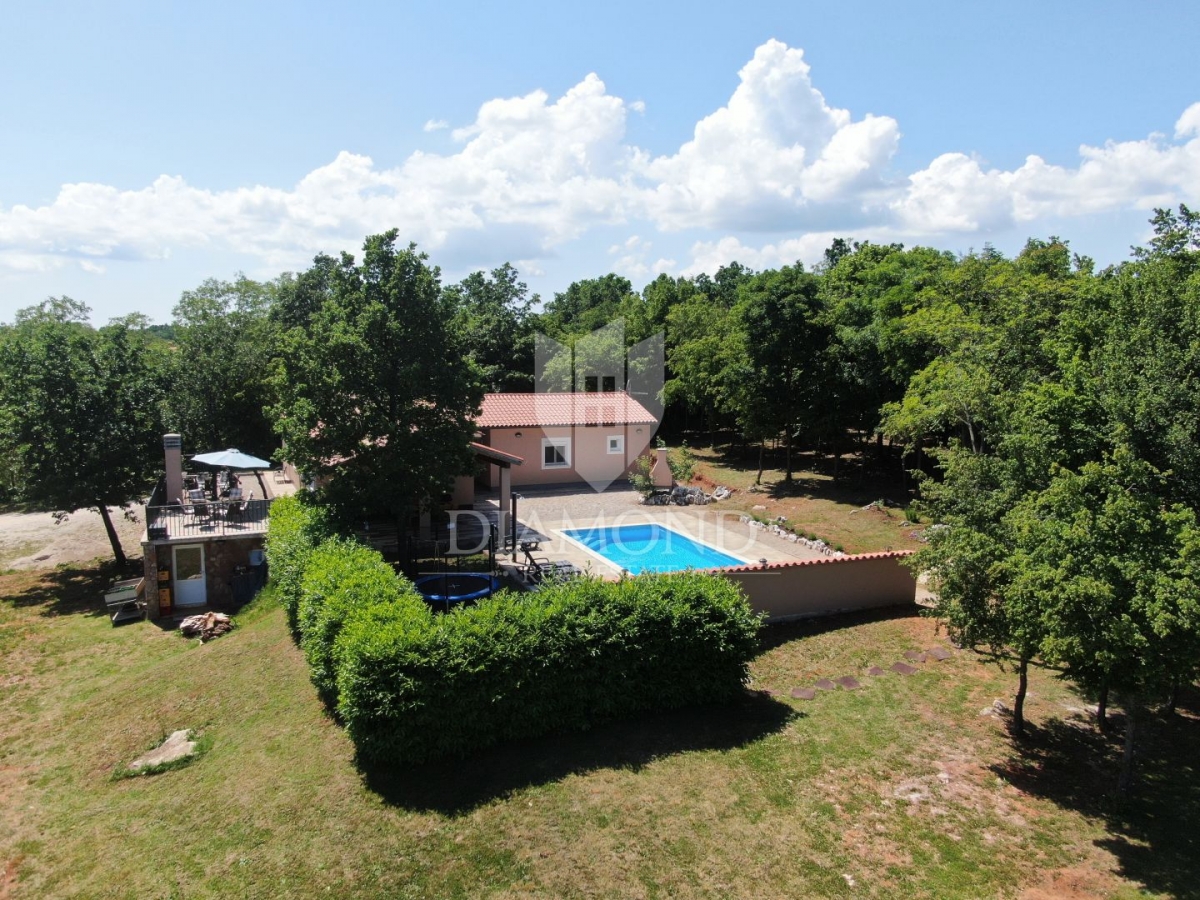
221,559
821,587
590,459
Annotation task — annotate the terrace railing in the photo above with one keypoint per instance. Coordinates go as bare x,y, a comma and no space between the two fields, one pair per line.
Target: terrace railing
223,518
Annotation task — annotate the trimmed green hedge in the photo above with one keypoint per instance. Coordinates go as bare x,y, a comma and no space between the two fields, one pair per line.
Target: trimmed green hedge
341,576
294,529
565,658
411,685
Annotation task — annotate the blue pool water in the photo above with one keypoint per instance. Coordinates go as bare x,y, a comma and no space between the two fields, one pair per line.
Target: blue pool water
650,548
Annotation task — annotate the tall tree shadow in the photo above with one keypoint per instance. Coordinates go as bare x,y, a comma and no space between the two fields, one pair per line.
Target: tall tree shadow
70,590
1153,832
455,787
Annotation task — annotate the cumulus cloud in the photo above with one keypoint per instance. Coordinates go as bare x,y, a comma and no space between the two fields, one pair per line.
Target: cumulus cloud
532,173
772,150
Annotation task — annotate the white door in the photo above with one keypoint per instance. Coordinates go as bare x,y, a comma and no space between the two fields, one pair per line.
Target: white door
190,589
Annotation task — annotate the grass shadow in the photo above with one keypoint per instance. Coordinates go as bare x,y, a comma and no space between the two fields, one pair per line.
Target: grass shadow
1151,833
780,633
456,787
70,589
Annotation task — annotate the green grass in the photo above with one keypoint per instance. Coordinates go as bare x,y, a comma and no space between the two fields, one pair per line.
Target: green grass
901,786
844,512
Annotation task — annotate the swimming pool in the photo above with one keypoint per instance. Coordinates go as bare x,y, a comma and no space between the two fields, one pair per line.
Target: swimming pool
650,548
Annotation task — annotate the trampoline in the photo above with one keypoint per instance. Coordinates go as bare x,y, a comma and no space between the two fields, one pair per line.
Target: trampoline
456,587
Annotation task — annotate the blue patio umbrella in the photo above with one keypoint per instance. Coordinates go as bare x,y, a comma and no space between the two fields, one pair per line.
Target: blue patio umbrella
231,459
234,459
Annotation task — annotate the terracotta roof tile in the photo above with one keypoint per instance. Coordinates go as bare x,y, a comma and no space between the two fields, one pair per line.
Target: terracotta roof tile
534,410
823,561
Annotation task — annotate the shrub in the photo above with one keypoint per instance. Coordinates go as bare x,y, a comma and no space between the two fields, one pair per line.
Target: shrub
566,658
293,530
342,576
682,463
640,476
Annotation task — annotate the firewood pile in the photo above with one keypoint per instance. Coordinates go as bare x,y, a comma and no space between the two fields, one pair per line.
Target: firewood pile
206,626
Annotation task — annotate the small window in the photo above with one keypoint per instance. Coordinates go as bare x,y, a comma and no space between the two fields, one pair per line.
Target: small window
591,384
610,383
616,443
556,453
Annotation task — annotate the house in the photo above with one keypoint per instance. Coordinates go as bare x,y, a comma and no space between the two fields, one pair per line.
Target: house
565,438
200,556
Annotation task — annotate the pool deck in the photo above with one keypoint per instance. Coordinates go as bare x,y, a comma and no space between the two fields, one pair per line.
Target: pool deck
543,514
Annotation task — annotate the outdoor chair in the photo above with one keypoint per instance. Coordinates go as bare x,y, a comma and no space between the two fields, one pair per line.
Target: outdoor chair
235,509
539,569
201,511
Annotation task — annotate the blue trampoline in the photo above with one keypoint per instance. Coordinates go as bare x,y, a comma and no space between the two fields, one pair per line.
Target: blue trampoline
457,587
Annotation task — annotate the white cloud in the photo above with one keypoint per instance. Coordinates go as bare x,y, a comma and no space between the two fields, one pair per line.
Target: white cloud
773,149
532,173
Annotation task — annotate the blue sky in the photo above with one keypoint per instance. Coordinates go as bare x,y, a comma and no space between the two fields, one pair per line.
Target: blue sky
145,147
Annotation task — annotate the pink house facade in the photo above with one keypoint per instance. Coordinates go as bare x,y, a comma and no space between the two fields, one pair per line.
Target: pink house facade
566,438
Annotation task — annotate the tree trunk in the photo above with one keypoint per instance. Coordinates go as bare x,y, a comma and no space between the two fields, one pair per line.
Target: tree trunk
1173,703
118,552
762,449
1102,710
788,454
1019,703
1126,779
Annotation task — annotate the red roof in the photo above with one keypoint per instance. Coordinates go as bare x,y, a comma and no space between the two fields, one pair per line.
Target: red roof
534,410
495,455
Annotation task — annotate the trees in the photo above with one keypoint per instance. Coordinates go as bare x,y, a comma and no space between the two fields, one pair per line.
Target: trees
376,395
220,370
82,407
1112,574
493,321
779,381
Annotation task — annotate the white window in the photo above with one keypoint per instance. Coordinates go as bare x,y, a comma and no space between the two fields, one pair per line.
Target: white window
556,453
616,443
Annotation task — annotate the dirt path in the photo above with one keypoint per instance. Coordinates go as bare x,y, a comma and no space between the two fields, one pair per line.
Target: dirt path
36,541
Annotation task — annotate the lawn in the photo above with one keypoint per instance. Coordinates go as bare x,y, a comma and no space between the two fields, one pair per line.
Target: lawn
844,512
901,788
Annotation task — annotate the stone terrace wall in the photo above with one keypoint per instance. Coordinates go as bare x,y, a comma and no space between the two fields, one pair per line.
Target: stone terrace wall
818,587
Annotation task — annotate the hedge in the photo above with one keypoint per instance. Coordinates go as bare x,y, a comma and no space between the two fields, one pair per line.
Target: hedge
339,577
410,685
568,657
293,530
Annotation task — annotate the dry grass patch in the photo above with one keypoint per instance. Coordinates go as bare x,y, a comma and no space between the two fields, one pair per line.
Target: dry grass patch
838,512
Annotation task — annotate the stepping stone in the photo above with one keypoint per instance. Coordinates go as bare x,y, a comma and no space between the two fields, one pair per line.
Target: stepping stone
826,685
904,669
914,655
849,683
803,693
875,670
939,653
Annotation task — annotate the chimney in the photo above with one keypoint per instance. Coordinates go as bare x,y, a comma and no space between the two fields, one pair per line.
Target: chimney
173,453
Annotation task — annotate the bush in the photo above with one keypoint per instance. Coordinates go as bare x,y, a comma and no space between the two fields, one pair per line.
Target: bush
682,463
293,530
340,577
640,476
566,658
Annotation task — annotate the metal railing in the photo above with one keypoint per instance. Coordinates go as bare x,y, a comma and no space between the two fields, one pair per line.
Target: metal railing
221,518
